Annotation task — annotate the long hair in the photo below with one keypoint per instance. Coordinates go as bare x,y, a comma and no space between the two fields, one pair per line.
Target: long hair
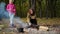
32,11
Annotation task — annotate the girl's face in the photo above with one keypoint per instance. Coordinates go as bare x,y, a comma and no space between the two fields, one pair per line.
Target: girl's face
10,1
30,10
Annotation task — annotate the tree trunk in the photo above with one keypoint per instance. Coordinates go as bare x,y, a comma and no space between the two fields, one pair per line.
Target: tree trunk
40,8
46,9
54,7
29,3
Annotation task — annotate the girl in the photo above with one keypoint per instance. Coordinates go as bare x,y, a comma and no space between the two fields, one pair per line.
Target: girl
11,10
31,17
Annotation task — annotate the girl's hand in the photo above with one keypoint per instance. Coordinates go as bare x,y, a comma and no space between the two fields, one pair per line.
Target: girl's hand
29,23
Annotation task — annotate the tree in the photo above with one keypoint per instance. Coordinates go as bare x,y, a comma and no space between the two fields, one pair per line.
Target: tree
46,9
40,8
54,7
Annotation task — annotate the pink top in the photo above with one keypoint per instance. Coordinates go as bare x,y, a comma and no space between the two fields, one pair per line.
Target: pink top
11,8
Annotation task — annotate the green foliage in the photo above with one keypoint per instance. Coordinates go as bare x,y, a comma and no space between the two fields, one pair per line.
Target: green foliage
22,7
58,8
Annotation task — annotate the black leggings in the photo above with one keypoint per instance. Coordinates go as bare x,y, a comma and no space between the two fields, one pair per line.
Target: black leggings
33,21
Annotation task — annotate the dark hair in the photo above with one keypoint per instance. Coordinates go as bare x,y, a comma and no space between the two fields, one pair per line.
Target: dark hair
33,12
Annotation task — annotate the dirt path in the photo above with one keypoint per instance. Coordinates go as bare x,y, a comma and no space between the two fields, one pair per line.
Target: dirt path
53,30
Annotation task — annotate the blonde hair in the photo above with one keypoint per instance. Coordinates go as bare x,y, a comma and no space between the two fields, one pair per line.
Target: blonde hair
11,0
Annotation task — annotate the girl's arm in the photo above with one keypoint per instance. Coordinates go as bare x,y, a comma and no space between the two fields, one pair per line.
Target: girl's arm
7,8
14,9
28,20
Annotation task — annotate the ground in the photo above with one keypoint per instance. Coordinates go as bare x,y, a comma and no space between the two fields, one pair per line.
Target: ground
46,22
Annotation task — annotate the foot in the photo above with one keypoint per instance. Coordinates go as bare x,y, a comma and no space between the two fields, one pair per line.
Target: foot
12,25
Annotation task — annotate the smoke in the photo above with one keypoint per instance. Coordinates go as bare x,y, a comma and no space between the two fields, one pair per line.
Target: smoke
20,22
3,12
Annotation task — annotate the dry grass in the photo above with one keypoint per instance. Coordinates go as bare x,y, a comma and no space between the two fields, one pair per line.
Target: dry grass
43,21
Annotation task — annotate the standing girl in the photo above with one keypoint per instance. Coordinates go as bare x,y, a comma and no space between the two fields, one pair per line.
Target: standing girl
11,10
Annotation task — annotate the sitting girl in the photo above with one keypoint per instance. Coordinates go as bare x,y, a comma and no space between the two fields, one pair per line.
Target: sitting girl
31,18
